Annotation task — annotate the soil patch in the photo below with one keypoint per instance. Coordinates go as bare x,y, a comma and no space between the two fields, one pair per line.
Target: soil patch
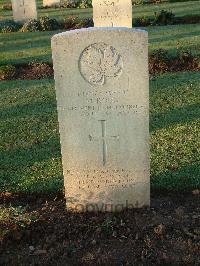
168,232
34,71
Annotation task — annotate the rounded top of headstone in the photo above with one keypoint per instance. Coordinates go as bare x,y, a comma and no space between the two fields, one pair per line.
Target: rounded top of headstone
91,29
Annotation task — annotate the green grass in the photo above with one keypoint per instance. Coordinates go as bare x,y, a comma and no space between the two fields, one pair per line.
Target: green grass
30,158
30,151
18,48
180,9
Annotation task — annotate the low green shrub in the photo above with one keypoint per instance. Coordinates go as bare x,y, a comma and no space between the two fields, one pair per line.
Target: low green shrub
85,4
48,24
70,22
43,24
9,26
70,4
84,23
6,7
31,26
188,19
186,57
163,17
77,4
137,2
141,22
159,61
7,72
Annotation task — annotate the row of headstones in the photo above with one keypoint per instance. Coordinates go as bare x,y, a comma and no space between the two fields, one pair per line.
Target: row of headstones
105,13
24,10
102,89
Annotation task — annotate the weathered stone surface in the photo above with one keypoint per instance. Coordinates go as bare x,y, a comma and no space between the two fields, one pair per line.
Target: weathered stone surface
102,98
51,3
24,10
112,13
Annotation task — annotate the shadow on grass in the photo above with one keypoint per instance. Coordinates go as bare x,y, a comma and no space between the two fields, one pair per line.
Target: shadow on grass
30,109
24,85
38,98
182,179
170,79
30,36
37,152
19,60
173,37
30,147
36,168
174,116
25,47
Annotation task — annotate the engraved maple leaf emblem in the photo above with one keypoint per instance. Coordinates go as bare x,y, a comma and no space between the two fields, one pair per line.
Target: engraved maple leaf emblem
100,61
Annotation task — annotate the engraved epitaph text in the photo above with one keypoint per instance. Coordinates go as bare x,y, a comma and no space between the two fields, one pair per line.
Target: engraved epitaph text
112,13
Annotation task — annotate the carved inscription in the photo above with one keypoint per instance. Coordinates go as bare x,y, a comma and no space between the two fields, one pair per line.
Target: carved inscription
100,62
91,110
110,2
113,13
105,178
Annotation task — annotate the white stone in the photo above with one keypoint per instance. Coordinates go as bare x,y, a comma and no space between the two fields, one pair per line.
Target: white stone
112,13
51,3
102,87
24,10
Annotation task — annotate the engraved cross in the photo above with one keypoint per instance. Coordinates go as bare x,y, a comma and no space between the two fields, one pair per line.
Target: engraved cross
104,139
22,4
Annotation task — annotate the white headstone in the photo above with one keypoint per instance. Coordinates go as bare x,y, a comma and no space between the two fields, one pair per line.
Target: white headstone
24,10
112,13
51,3
103,109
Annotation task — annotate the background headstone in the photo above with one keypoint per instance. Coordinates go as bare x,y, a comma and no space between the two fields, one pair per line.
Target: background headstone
102,98
51,3
24,10
112,13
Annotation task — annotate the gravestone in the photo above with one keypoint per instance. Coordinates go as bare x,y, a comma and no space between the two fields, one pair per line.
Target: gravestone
102,101
24,10
112,13
51,3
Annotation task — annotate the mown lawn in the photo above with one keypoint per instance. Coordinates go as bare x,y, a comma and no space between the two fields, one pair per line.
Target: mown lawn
30,158
180,9
18,48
